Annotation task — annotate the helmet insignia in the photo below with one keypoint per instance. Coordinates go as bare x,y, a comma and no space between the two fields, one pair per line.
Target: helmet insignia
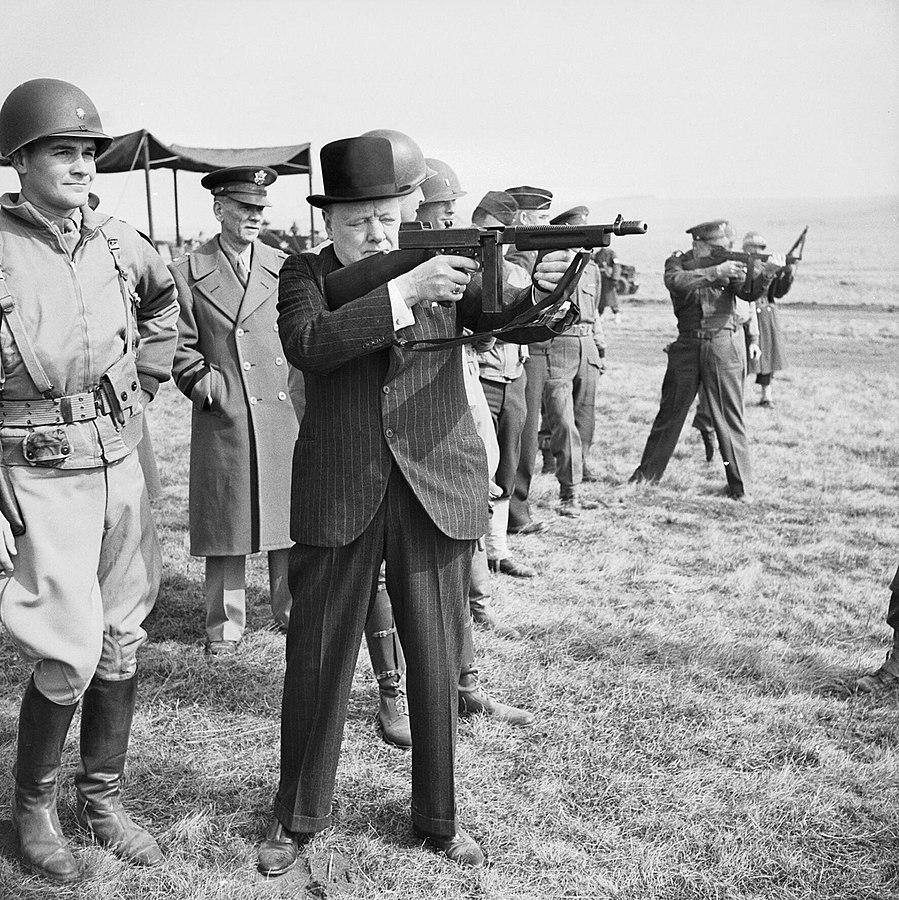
79,112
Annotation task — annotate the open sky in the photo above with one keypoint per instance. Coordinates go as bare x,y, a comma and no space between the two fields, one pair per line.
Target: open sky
591,99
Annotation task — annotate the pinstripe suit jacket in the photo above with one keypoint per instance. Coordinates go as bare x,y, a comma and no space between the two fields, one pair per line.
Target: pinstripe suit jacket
370,404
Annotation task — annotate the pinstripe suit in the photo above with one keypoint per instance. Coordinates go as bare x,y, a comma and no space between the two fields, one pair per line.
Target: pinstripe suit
387,465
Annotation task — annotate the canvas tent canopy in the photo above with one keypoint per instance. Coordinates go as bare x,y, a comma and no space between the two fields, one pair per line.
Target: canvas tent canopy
143,150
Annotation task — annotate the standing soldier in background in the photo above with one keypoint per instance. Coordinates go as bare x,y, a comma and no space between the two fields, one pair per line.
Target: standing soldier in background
770,338
89,329
610,269
231,366
503,381
709,351
533,209
573,367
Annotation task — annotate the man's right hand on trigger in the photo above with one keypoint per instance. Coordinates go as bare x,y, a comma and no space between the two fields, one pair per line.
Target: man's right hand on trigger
442,279
7,546
730,270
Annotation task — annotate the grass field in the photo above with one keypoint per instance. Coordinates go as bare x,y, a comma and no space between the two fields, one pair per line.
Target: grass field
690,661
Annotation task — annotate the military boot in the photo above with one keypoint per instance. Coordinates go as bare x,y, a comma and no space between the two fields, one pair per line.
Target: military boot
106,713
389,665
474,700
43,726
885,678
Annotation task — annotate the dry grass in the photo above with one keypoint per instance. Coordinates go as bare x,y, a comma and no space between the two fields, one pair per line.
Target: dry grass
690,661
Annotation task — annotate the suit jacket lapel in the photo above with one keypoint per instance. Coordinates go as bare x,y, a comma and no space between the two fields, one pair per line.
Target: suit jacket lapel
262,283
214,279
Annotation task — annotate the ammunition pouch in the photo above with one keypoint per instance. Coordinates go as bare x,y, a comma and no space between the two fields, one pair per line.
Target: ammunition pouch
121,391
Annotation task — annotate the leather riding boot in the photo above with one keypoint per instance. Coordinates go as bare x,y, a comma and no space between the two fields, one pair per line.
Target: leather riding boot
43,726
474,700
106,713
389,666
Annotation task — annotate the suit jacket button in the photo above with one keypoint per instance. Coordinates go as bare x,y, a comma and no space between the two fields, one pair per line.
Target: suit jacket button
386,389
388,432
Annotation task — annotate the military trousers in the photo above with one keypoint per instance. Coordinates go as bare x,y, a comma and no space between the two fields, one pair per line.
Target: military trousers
86,574
715,360
332,587
536,370
569,403
893,608
226,594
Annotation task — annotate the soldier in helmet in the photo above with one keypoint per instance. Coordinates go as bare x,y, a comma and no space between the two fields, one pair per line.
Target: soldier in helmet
88,334
771,341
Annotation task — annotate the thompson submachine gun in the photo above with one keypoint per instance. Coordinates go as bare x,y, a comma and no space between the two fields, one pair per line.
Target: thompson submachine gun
417,244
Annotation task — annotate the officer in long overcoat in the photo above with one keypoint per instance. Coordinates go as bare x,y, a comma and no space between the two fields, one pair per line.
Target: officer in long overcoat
231,365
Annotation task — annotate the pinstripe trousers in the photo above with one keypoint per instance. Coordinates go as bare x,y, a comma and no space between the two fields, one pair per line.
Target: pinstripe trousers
332,588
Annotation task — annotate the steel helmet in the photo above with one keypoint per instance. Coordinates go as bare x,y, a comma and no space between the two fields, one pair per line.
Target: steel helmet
754,239
46,107
443,185
408,160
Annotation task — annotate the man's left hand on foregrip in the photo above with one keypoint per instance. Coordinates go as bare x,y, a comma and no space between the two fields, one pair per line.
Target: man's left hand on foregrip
549,271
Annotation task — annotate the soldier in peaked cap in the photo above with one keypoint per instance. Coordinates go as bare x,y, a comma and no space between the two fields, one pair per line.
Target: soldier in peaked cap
574,361
387,466
88,333
231,366
709,351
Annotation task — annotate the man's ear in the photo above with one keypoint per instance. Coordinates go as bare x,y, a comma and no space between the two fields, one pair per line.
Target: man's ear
217,210
19,161
326,217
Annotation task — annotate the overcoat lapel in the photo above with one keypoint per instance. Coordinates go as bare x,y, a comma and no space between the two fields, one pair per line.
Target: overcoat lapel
263,280
215,280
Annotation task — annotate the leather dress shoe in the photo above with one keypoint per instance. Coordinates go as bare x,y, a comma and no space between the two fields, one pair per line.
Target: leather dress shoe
510,566
884,679
474,700
572,506
461,847
740,497
280,849
482,612
530,528
221,648
638,477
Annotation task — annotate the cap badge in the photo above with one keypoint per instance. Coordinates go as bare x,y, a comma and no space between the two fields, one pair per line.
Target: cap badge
79,112
259,177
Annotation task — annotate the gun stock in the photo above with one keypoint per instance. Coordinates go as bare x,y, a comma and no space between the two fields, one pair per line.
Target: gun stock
360,278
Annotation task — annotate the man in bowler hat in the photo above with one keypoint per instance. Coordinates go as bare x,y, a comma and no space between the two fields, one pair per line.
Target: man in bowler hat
387,466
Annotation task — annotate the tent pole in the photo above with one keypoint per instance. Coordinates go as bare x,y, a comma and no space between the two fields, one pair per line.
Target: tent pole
311,208
177,217
146,154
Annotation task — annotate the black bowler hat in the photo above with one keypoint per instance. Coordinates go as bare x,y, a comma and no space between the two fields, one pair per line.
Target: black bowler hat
244,183
356,169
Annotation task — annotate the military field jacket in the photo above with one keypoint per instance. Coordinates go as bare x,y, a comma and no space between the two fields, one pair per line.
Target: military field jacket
73,310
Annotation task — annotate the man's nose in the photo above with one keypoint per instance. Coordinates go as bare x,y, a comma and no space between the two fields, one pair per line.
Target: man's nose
376,232
81,164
